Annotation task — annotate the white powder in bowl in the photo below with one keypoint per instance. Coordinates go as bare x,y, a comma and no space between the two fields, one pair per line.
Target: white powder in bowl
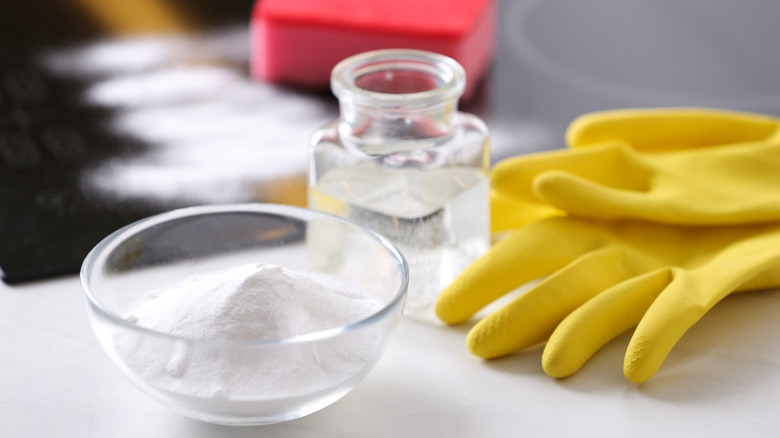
255,302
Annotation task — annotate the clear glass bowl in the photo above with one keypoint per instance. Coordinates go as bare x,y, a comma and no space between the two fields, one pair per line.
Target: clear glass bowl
263,381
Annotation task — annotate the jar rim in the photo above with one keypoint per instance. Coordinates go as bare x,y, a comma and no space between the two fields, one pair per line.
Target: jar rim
449,75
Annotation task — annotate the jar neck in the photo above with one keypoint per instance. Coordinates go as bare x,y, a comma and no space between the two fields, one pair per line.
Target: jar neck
397,96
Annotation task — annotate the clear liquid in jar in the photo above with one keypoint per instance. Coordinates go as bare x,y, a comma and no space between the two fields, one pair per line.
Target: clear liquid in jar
438,219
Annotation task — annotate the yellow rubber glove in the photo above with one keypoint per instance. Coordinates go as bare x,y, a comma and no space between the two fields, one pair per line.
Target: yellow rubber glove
673,166
603,279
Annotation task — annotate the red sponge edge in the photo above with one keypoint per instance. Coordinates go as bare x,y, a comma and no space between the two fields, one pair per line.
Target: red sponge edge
299,46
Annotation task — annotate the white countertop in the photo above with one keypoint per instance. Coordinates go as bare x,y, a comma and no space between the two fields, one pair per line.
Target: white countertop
723,379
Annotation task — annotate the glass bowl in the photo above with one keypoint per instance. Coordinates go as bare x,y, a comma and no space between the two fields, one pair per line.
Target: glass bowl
247,381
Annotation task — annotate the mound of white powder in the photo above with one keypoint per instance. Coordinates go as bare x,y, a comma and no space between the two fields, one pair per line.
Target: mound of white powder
253,302
249,303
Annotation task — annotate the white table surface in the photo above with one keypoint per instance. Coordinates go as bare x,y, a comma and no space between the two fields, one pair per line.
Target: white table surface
723,379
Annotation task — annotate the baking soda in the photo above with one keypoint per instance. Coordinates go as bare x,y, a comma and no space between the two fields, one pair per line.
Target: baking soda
255,302
209,133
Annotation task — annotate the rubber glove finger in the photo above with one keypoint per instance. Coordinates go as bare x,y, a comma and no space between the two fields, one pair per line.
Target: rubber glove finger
666,129
527,254
508,213
582,197
611,164
691,295
583,332
531,317
769,279
682,190
665,322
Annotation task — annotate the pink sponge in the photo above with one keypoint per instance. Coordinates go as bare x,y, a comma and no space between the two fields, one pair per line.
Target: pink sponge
300,41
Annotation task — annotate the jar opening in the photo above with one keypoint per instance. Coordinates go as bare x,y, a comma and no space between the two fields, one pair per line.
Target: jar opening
397,81
397,74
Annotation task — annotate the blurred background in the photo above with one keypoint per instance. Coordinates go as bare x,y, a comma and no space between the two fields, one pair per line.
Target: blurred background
113,111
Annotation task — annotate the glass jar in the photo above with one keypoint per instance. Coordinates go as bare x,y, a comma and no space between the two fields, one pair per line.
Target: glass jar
402,160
